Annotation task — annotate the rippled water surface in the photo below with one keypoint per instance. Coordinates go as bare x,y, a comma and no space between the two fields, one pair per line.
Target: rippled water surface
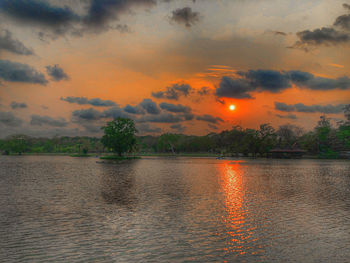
63,209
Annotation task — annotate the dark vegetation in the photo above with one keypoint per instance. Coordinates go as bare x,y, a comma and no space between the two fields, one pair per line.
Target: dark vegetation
324,141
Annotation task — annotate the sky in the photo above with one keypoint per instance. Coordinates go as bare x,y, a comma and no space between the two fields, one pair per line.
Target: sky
69,66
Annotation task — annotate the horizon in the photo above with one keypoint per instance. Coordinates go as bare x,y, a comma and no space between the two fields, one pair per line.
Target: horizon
171,66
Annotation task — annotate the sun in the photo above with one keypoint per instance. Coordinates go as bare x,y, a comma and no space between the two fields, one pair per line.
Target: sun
232,107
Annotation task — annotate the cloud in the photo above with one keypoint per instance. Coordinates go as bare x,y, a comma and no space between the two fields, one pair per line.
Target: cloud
87,114
47,120
85,101
101,12
18,72
56,73
319,36
34,12
204,91
8,119
284,107
114,113
209,118
289,116
8,43
173,92
271,80
133,109
300,107
18,105
146,128
149,106
92,115
160,118
178,127
185,16
241,86
330,35
174,108
60,20
233,88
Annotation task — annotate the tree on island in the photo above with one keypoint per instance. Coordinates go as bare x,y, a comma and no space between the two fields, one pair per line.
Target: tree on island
119,135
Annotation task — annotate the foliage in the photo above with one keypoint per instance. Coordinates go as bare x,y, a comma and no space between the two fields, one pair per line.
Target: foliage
119,135
324,141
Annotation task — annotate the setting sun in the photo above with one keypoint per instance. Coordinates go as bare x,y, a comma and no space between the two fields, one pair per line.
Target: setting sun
232,107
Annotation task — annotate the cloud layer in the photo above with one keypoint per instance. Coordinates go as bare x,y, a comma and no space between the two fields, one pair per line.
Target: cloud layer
273,81
300,107
85,101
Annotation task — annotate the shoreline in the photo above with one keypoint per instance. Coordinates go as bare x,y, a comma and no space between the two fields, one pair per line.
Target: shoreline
194,155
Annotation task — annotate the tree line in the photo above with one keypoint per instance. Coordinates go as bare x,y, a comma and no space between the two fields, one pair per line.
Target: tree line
325,141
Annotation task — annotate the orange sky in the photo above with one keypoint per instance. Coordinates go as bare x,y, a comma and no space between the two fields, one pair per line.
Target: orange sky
138,48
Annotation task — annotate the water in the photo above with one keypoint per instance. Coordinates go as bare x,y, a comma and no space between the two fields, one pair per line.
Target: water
63,209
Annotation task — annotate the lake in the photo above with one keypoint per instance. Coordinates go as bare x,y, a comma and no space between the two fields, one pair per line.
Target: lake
64,209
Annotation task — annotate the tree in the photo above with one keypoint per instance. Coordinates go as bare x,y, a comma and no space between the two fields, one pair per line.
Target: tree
119,135
168,141
344,128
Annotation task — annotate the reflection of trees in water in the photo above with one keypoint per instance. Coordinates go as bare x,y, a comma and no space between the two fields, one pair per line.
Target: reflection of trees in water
118,183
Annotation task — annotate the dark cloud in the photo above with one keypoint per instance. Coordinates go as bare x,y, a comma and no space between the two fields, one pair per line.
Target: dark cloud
59,20
146,128
41,13
8,119
275,81
133,109
209,118
187,116
178,127
93,115
233,88
173,92
149,106
101,12
8,43
289,116
343,21
175,108
18,105
18,72
87,114
204,91
331,35
271,80
284,107
56,73
300,107
85,101
47,120
160,118
185,16
319,36
114,113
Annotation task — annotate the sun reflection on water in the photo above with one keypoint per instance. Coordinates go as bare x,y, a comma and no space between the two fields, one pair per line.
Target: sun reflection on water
239,229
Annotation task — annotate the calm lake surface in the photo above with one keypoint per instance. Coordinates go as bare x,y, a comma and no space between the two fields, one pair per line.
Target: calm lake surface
63,209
